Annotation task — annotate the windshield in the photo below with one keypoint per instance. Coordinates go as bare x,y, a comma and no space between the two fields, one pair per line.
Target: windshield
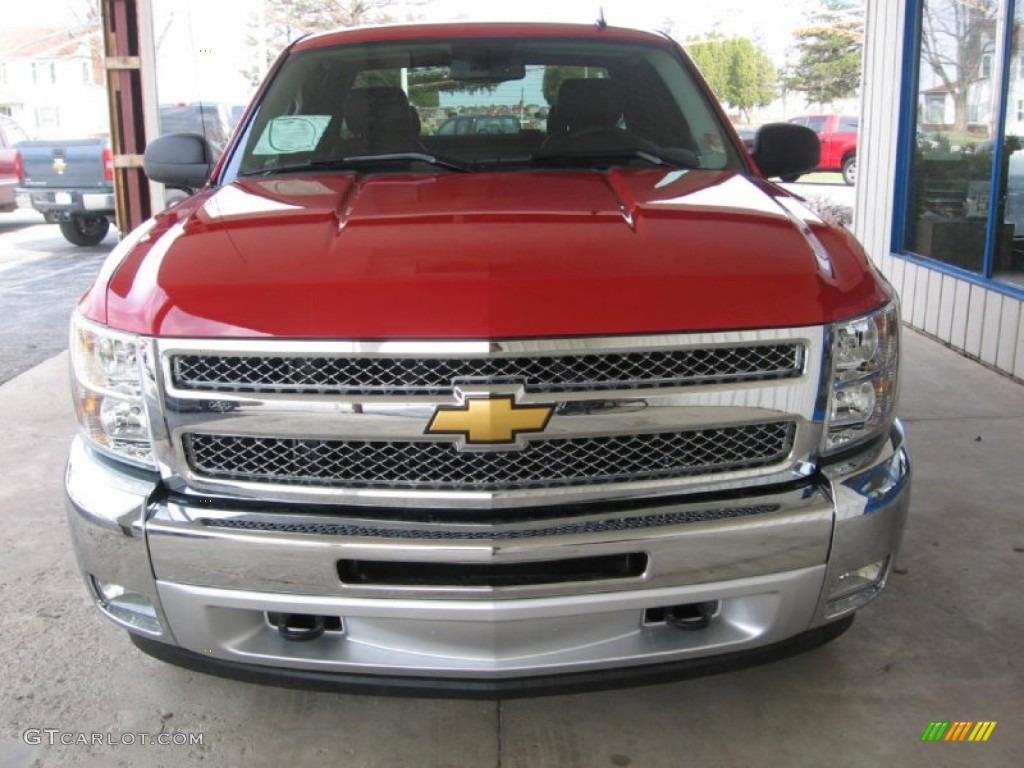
481,103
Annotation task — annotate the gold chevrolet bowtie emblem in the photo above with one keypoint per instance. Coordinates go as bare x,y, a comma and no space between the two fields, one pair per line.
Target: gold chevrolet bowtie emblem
491,420
59,165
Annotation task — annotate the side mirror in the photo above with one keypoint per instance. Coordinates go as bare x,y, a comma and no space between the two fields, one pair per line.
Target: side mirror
182,160
784,149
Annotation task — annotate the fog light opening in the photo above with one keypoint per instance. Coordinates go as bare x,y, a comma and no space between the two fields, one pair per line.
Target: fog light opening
302,627
687,617
132,609
854,589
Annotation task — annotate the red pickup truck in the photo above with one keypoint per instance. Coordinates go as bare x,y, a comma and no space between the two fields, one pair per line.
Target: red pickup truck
838,137
497,412
11,171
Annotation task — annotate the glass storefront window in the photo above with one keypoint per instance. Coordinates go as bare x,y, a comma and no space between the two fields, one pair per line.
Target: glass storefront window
1008,257
956,160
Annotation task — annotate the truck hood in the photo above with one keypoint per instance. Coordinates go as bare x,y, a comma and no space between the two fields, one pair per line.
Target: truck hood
484,255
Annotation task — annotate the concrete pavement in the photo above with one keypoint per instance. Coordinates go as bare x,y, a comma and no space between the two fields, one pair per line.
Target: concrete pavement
943,643
41,277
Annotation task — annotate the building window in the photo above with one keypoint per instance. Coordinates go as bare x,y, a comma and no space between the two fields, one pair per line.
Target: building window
47,118
44,74
86,73
961,151
935,109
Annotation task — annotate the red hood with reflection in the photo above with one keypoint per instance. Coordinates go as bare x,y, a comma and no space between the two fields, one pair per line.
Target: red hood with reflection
484,255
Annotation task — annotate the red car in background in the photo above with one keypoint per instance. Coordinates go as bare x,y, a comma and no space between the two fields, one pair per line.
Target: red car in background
838,137
10,162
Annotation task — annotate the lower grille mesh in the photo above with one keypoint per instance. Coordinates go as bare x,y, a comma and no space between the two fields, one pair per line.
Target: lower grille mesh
611,525
421,465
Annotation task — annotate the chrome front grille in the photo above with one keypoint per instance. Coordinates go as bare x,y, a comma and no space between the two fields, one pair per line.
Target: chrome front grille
439,466
404,375
348,422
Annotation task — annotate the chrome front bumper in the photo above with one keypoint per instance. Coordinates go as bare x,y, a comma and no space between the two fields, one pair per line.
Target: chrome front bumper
211,579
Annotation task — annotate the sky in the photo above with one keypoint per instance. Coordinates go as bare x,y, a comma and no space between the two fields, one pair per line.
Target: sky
202,45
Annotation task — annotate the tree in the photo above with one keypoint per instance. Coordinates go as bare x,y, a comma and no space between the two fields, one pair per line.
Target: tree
740,73
956,36
281,21
829,53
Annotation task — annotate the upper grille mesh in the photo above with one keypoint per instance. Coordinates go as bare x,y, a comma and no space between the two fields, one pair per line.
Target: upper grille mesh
437,376
425,465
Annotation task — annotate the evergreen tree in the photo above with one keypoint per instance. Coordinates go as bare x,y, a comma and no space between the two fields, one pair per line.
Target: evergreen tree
830,51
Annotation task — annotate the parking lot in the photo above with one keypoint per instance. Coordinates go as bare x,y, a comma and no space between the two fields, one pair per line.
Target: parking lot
941,644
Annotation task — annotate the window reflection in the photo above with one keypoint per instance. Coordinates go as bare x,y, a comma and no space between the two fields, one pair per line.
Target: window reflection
952,169
1008,259
951,180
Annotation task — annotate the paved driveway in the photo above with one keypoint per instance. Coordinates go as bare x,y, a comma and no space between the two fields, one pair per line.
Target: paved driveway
41,277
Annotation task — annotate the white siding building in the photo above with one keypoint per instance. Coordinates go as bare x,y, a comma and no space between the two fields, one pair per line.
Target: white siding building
940,206
51,81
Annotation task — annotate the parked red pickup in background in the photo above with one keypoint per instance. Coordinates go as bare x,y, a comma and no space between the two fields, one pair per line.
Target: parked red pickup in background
838,136
10,162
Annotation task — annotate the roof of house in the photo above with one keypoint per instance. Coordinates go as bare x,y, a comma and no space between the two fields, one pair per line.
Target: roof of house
45,42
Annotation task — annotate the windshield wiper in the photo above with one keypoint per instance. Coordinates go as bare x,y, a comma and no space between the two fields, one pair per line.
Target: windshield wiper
359,162
422,157
609,156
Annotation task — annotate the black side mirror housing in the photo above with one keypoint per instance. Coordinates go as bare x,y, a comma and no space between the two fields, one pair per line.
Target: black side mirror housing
785,149
182,160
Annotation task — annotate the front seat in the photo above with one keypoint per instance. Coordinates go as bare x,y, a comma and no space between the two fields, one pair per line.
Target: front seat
380,120
587,115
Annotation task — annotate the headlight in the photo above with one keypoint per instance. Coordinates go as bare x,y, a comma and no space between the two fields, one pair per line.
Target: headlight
863,386
107,371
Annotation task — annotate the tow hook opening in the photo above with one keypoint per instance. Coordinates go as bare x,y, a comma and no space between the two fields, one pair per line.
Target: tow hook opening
301,627
687,617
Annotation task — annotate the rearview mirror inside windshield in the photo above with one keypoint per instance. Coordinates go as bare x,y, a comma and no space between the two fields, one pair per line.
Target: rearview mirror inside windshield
489,69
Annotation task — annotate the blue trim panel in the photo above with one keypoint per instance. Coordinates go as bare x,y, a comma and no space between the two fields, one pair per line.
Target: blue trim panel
907,134
998,150
825,379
